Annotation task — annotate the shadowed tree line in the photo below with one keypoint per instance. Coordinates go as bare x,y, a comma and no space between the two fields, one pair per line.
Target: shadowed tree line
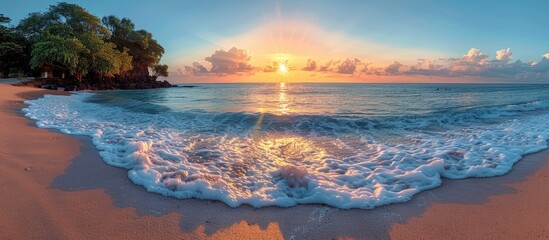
91,53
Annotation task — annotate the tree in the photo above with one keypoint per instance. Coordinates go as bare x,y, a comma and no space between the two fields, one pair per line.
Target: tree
125,62
12,55
77,19
120,29
105,60
70,38
160,70
33,26
64,53
97,51
4,19
3,29
9,53
148,52
144,49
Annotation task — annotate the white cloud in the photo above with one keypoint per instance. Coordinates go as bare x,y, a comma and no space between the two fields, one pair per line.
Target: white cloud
504,55
476,56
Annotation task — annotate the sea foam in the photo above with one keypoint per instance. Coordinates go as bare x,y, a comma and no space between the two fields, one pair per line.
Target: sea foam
268,160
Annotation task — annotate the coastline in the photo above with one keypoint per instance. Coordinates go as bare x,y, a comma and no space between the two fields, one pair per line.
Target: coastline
70,193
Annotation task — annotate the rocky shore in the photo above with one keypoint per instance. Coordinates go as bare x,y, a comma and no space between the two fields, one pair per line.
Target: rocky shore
126,83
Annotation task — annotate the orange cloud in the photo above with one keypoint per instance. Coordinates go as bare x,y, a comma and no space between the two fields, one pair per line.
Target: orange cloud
311,65
474,63
348,66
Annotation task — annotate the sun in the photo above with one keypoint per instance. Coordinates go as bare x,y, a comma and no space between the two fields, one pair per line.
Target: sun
282,68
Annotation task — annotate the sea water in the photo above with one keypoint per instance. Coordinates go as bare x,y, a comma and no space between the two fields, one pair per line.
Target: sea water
283,144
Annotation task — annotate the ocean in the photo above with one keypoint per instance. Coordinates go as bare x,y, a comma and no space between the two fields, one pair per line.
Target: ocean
284,144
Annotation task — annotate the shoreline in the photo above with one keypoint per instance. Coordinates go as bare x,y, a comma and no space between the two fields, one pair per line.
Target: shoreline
70,192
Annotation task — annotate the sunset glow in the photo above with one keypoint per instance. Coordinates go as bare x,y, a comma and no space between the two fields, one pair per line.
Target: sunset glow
282,68
285,119
358,42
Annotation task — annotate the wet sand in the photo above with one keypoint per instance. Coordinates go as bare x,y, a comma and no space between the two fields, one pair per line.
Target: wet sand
55,186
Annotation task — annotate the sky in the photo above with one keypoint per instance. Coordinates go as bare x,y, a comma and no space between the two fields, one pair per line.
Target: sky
337,41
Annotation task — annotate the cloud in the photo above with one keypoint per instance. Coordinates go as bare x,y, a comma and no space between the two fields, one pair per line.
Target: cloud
428,67
474,60
504,55
311,65
393,68
475,56
477,64
348,66
542,65
474,63
275,66
198,68
195,69
517,69
229,62
271,68
328,67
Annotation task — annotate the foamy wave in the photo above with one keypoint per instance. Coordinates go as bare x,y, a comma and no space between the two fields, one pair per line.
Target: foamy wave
245,158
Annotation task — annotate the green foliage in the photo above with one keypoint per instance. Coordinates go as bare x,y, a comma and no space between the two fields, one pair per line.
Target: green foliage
12,49
77,19
65,19
145,51
125,61
4,19
70,38
3,29
160,70
9,53
33,26
64,53
105,59
119,29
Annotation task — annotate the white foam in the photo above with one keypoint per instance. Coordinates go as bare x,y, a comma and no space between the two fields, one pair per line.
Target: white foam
195,158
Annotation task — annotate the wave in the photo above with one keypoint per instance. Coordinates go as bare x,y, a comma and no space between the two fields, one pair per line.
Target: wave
284,160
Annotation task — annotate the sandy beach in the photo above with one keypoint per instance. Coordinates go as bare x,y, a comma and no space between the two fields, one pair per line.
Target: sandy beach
55,186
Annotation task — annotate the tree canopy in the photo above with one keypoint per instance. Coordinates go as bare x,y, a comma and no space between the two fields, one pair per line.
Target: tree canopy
70,38
61,52
3,29
160,70
12,49
144,50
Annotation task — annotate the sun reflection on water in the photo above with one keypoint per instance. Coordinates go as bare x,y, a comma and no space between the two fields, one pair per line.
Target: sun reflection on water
283,149
275,102
287,149
283,101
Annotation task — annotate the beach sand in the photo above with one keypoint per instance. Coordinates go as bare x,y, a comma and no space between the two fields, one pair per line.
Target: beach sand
55,186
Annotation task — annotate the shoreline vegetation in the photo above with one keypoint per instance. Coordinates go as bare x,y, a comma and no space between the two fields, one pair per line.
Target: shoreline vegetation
67,47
